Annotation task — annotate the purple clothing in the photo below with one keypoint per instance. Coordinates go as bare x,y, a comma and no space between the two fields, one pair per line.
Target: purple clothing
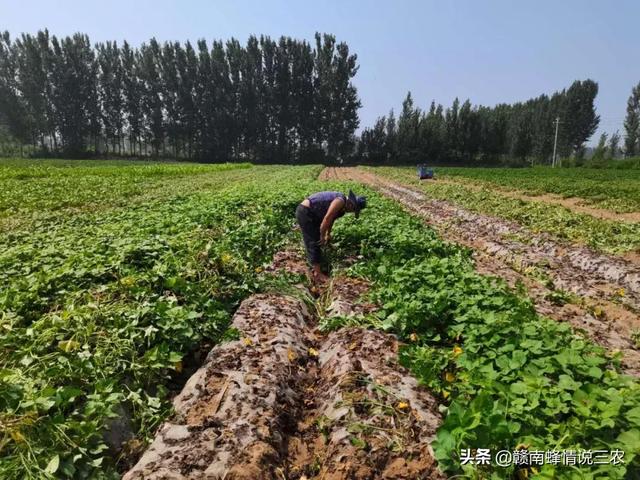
321,201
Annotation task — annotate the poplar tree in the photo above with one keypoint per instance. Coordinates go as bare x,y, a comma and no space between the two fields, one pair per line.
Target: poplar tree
32,81
12,108
74,91
187,66
151,96
632,123
131,91
110,88
408,121
614,145
600,150
581,120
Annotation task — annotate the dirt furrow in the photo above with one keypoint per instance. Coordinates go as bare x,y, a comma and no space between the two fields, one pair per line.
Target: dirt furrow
602,283
286,402
368,418
234,414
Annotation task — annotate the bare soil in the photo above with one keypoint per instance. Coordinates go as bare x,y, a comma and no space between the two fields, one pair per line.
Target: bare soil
607,288
345,297
286,402
367,418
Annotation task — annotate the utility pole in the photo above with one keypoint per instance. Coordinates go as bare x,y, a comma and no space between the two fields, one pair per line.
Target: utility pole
555,143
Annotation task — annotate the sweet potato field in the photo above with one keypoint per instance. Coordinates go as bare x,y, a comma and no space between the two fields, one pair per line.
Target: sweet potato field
156,322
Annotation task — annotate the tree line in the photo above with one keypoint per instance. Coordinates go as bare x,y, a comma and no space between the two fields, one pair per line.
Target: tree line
267,100
465,133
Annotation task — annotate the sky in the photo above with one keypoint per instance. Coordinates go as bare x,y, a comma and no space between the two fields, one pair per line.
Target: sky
490,51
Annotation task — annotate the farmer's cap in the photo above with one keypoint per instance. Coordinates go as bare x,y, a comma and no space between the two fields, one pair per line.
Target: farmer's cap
358,202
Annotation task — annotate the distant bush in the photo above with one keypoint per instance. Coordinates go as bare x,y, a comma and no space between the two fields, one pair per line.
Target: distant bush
622,164
599,162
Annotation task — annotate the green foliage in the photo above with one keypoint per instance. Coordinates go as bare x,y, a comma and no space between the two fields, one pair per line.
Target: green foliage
517,133
507,376
614,145
111,284
608,188
632,123
598,158
102,302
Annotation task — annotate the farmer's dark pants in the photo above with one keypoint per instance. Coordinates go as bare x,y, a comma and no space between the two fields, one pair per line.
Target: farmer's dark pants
310,226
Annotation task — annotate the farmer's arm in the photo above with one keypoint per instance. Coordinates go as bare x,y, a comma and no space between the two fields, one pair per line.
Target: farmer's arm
327,222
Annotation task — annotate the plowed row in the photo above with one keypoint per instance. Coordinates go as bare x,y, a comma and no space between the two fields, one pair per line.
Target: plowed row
285,401
597,279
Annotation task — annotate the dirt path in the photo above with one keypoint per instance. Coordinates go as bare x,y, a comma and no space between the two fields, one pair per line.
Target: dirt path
577,205
608,288
286,402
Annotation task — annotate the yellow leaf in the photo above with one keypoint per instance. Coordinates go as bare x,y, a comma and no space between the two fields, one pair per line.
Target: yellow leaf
353,346
247,341
178,366
457,351
413,337
17,436
313,352
621,292
445,394
258,269
403,405
449,377
68,345
291,355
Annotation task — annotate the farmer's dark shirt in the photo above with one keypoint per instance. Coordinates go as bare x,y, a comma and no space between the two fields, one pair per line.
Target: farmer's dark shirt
321,201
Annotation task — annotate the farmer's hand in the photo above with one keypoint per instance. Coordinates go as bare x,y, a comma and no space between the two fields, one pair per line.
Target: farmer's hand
325,235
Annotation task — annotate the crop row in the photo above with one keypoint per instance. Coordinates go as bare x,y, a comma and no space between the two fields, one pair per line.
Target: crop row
602,235
100,309
508,377
617,190
31,190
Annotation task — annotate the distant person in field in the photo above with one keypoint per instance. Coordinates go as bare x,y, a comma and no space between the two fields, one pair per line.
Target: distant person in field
316,215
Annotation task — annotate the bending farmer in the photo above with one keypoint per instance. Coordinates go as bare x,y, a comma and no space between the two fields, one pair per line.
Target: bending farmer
316,215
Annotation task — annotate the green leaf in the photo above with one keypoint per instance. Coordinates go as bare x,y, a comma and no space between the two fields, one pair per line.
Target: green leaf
594,372
633,416
629,441
175,357
52,466
518,359
519,388
567,383
358,442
